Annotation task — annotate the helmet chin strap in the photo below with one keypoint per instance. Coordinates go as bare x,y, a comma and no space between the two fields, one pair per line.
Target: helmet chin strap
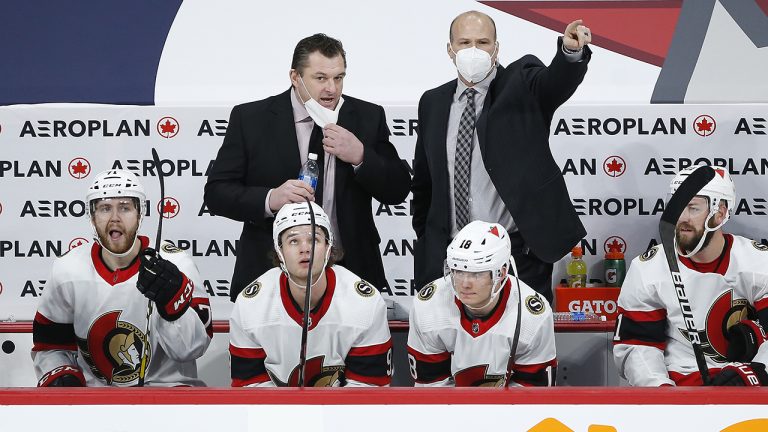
288,274
703,238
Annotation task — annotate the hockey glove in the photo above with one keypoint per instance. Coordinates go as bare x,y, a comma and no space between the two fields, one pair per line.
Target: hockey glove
744,339
63,376
162,282
741,374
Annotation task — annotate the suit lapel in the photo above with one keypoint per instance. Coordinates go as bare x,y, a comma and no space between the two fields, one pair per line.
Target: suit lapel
442,111
284,143
482,121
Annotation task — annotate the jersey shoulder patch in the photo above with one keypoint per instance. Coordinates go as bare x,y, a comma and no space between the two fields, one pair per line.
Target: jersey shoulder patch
170,248
762,247
427,292
535,304
364,288
251,289
650,253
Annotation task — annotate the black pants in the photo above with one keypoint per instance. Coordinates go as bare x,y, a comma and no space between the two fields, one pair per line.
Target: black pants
534,272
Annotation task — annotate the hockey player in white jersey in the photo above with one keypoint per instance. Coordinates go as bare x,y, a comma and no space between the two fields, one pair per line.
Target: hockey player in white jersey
479,325
726,283
348,344
89,329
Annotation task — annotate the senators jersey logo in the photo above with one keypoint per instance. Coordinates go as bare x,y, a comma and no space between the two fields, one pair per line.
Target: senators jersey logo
724,312
315,375
477,376
113,349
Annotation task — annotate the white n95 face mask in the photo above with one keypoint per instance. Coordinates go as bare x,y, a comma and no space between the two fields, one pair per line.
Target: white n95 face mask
473,64
321,115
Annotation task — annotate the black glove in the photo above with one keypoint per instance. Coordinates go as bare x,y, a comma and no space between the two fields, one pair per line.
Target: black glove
741,374
744,338
162,282
66,381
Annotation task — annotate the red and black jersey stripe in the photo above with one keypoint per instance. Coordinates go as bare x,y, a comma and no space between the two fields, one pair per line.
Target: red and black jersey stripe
49,335
647,328
370,364
247,366
535,375
762,311
202,306
429,368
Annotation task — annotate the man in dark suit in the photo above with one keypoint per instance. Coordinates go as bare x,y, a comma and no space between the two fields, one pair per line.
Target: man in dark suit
483,151
268,141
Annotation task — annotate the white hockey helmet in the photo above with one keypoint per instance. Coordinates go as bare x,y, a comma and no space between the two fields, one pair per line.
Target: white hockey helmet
296,214
480,246
720,188
115,183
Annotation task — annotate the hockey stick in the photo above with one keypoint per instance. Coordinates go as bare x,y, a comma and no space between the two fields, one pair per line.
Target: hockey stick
688,189
307,294
144,348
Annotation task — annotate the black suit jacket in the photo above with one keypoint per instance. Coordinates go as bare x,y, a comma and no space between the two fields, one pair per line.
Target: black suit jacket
260,152
513,134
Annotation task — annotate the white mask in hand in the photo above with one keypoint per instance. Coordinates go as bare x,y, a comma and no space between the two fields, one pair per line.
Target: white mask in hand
321,115
474,64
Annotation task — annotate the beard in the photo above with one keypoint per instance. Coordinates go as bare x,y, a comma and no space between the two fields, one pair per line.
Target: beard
126,241
686,245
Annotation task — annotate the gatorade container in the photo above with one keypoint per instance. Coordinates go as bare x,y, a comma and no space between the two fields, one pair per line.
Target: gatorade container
577,269
615,269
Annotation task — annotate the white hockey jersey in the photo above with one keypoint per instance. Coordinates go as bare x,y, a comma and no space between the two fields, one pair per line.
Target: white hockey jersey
651,344
348,342
91,322
446,347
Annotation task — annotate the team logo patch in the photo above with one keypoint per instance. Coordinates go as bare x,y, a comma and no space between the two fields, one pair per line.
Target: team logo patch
427,292
169,247
364,288
534,304
113,349
760,246
252,289
650,253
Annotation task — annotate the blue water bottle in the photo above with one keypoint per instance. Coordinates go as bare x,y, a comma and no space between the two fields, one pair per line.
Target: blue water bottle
310,171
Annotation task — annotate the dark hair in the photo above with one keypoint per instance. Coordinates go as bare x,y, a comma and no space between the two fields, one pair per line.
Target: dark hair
320,42
450,29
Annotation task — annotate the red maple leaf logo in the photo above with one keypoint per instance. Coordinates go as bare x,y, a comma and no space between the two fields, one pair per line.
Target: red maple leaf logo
168,207
80,168
704,126
615,246
494,231
614,166
167,127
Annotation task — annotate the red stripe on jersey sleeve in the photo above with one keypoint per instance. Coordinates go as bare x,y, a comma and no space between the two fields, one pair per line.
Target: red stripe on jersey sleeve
371,350
52,347
202,306
429,358
691,379
533,368
42,319
644,316
373,380
660,345
761,304
258,379
250,353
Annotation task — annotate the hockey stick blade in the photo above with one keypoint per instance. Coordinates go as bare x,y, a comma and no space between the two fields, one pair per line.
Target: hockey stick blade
687,190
